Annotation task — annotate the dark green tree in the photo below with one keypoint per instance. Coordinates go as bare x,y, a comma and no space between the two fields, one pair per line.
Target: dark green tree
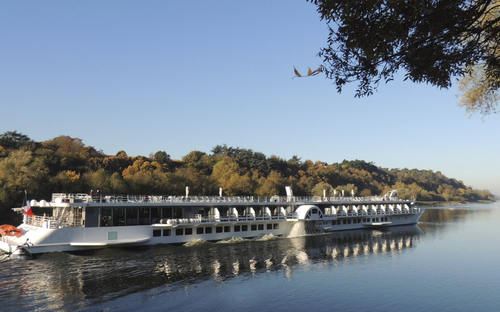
13,139
162,157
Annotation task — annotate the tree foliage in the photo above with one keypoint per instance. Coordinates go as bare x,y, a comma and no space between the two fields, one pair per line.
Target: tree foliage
162,157
432,41
479,94
65,164
480,87
13,140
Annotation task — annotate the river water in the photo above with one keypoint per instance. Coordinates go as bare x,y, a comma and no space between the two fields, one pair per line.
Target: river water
448,262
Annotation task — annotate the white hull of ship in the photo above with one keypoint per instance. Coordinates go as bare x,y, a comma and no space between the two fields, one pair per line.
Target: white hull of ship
39,240
67,230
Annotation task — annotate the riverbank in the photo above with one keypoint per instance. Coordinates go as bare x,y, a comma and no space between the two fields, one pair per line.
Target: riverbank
446,203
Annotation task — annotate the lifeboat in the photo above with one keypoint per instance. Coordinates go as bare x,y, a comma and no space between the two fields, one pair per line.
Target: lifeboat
10,230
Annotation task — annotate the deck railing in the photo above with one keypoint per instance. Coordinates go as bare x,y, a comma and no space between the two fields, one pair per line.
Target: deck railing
86,198
53,223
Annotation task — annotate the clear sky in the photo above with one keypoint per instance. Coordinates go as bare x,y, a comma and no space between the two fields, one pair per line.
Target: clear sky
178,76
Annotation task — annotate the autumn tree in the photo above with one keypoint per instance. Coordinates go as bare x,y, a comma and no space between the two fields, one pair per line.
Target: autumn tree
228,175
198,182
480,87
68,182
66,153
117,185
65,164
479,92
347,189
19,172
246,158
199,161
273,184
432,41
322,188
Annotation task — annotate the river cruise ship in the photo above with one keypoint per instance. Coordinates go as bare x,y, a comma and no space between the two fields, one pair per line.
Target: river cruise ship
79,222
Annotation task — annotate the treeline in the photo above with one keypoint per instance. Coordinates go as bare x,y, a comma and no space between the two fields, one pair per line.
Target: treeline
65,164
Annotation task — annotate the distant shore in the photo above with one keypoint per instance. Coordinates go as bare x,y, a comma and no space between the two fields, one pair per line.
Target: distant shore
441,203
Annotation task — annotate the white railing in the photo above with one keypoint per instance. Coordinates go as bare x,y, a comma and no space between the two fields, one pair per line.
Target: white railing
222,219
53,223
86,198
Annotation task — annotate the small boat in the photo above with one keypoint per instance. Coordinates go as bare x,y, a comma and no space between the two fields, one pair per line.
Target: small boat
80,222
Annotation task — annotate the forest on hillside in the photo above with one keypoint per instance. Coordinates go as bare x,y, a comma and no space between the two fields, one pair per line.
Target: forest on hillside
66,165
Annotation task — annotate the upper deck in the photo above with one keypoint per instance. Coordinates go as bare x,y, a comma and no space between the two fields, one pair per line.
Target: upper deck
74,210
61,198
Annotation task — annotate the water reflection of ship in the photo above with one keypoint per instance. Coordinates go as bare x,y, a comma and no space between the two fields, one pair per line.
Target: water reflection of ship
111,274
286,254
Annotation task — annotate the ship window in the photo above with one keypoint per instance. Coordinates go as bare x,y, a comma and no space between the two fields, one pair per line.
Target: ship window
227,229
156,233
106,217
276,226
237,228
254,227
345,221
188,231
91,217
364,220
167,213
199,230
112,235
166,232
144,216
244,228
179,231
118,216
208,230
178,213
261,227
132,216
218,229
155,215
349,221
334,222
269,226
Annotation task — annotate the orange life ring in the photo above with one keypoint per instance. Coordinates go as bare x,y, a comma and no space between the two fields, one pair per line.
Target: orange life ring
10,230
284,198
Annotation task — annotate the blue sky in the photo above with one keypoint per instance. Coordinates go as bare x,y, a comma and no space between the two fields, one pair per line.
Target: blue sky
177,76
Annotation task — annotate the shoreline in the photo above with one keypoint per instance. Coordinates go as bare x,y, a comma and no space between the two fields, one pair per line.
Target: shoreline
440,203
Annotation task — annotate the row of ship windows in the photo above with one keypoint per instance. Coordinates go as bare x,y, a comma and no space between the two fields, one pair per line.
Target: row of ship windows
218,229
364,220
349,221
